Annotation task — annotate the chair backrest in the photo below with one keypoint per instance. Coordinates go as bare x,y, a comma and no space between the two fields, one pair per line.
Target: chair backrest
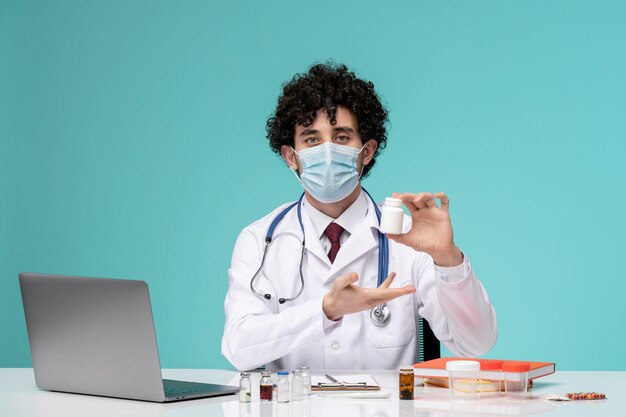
429,346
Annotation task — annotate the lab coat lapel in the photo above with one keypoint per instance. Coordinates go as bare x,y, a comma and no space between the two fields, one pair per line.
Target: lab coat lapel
358,244
312,242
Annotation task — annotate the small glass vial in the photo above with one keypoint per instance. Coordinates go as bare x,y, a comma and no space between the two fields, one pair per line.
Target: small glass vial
245,388
282,387
296,385
266,387
392,216
306,380
406,386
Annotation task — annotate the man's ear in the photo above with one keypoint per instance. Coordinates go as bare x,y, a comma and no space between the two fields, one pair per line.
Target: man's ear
369,151
290,158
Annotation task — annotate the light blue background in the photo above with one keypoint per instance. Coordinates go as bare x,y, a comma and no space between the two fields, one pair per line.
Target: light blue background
132,146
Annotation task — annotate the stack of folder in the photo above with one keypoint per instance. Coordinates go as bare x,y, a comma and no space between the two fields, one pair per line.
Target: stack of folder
434,372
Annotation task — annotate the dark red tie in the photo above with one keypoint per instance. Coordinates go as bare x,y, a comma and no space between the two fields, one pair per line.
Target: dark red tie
333,231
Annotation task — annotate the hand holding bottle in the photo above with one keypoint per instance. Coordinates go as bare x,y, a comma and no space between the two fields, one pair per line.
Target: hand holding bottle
431,231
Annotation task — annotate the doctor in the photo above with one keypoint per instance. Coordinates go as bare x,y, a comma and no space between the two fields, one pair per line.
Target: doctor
306,297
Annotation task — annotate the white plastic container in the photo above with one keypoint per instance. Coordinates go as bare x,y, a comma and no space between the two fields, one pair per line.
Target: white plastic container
463,379
490,379
515,376
392,216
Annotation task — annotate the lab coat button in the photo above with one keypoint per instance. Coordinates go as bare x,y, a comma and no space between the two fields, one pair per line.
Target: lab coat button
335,346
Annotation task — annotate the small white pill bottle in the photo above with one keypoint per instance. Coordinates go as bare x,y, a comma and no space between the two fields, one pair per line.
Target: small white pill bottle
392,216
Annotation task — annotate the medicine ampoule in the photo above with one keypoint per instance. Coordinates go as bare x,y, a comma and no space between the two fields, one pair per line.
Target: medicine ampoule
266,386
392,216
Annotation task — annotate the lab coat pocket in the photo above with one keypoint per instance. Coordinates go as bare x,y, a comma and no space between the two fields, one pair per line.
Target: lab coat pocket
400,329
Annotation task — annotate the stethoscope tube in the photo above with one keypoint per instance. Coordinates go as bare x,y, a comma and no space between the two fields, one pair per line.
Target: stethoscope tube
268,242
268,296
379,314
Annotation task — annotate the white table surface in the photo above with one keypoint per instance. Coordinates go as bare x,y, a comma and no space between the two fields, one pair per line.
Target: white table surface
20,397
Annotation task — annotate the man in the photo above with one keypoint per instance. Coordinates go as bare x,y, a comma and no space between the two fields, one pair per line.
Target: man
287,307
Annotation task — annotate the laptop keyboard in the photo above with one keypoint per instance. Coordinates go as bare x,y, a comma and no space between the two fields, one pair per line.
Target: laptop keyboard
174,388
170,392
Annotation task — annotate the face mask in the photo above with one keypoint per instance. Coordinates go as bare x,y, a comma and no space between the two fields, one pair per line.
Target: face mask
329,171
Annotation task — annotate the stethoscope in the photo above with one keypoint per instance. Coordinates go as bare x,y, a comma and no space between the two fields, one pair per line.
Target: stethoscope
380,314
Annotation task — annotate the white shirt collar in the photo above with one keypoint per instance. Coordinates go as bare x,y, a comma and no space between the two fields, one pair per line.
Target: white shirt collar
350,219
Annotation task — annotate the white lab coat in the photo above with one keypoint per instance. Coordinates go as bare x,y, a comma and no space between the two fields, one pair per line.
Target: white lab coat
263,332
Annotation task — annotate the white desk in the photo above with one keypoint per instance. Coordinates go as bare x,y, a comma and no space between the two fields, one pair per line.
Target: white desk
20,397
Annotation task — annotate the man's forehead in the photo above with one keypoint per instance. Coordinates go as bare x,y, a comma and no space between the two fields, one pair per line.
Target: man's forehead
343,117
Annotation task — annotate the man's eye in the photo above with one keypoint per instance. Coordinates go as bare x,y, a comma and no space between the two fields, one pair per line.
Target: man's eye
342,138
311,141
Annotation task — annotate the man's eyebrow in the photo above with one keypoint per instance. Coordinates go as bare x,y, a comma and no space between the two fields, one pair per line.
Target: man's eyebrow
309,131
343,129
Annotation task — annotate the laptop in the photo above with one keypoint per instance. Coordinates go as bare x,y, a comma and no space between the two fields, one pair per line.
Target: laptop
96,336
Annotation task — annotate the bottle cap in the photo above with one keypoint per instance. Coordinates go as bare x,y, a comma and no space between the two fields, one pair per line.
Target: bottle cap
393,202
490,365
515,367
406,369
283,373
462,366
245,374
266,373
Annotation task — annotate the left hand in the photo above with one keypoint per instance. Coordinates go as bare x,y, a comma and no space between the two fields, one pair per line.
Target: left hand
431,231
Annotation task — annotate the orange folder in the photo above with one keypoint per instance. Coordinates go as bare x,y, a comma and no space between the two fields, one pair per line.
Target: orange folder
436,368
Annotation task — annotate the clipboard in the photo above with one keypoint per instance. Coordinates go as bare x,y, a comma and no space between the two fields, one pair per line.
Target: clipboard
344,383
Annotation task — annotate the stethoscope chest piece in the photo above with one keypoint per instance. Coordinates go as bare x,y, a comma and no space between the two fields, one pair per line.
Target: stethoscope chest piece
380,314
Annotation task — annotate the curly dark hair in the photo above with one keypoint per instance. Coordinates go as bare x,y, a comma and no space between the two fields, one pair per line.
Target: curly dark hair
327,86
